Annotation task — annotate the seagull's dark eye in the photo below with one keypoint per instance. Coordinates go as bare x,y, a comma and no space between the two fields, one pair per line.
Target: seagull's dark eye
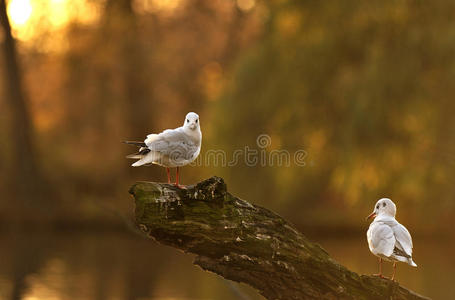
383,204
187,120
197,120
377,207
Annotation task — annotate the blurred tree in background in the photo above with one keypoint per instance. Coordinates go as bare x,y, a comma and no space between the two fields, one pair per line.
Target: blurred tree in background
25,178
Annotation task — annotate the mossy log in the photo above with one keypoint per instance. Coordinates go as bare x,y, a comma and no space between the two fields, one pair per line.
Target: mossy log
247,243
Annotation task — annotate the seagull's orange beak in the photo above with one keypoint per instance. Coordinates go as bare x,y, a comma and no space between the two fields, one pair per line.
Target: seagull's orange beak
372,215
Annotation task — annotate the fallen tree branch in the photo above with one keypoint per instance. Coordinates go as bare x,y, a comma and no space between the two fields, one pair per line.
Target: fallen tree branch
250,244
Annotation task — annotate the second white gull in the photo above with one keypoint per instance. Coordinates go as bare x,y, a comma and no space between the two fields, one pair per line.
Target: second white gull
388,239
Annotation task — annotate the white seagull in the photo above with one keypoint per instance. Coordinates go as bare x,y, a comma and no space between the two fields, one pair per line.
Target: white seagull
388,239
171,148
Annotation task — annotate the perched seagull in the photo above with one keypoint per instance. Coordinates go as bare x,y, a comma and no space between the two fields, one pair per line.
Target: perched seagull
171,148
388,239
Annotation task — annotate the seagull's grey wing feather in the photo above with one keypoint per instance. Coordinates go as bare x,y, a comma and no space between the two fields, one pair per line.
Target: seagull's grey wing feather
382,239
403,237
174,143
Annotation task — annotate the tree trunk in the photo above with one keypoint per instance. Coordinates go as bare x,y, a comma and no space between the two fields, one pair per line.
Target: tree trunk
26,175
250,244
121,20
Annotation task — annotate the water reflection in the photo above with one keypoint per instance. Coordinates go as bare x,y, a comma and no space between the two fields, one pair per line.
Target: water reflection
123,266
104,266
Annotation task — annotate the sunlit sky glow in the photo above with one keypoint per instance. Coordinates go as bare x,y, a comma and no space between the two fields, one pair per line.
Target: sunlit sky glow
30,18
19,12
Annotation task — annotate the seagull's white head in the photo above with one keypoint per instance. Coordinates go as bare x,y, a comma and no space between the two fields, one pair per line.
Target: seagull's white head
191,121
384,206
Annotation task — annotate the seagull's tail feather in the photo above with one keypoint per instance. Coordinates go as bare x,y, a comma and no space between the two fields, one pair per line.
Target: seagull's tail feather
412,263
137,164
140,154
144,161
134,156
135,143
146,157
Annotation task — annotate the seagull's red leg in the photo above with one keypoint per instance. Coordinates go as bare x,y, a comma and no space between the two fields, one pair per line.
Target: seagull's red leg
380,269
177,180
168,175
177,177
394,270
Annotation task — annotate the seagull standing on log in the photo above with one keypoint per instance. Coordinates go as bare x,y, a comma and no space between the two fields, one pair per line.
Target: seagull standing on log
172,148
388,239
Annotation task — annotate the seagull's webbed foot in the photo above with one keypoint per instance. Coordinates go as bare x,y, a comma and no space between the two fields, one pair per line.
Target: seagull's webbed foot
180,186
380,276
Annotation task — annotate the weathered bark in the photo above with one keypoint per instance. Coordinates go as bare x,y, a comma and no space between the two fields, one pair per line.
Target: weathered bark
250,244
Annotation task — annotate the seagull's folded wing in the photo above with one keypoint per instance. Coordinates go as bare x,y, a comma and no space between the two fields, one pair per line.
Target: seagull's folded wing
150,138
173,143
382,240
403,237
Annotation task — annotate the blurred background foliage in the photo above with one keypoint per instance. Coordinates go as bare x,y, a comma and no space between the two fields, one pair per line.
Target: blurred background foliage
364,88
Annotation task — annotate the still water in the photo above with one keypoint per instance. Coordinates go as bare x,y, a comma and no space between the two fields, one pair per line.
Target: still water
125,266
